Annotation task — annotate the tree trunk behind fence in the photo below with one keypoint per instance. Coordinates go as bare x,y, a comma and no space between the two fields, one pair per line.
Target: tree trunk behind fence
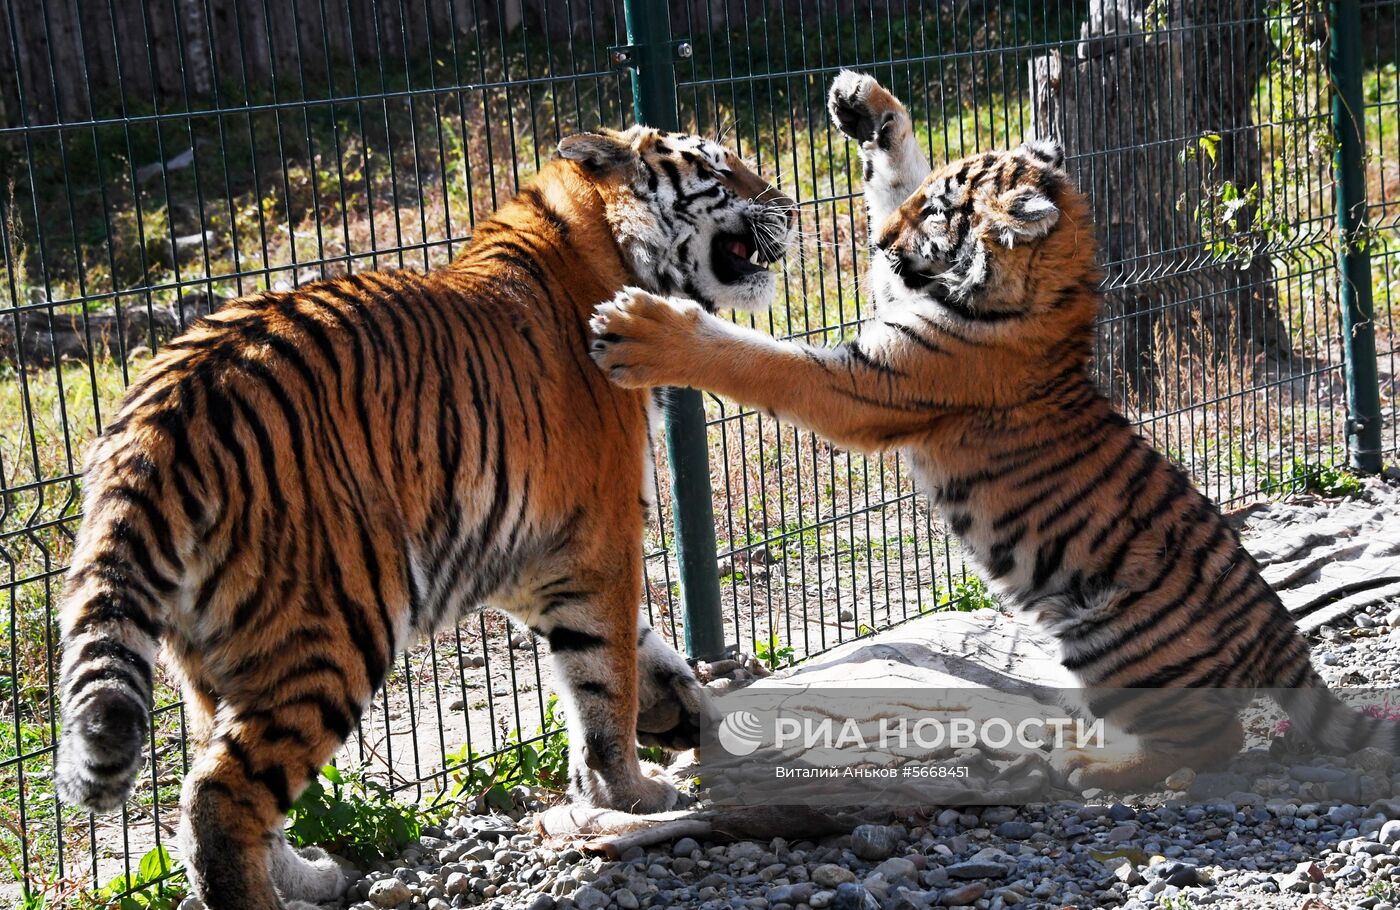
1133,104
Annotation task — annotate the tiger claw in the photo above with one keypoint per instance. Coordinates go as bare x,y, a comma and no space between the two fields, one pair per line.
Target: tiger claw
862,109
636,334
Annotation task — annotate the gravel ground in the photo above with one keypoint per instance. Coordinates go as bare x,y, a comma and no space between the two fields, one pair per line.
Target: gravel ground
1256,835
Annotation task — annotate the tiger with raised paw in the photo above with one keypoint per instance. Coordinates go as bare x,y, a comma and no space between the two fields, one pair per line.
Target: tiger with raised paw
976,368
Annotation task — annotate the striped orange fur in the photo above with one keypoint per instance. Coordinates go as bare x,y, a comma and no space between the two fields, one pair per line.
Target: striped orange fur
306,481
975,367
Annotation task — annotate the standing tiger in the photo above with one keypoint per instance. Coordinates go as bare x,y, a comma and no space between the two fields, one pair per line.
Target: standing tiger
976,367
306,481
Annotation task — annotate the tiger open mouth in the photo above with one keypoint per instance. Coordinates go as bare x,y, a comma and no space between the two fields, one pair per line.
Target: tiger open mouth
735,257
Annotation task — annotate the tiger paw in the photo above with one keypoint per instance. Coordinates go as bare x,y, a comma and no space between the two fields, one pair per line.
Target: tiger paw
673,708
309,874
863,110
644,793
642,340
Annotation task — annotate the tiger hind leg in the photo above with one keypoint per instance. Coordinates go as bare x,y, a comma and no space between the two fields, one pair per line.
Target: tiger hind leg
234,802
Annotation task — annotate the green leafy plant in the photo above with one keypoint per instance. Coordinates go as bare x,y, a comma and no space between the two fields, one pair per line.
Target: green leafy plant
541,760
157,884
1325,480
29,899
1176,902
773,652
350,814
967,594
1383,890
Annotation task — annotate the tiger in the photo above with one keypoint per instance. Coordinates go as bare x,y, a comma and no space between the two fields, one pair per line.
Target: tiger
306,481
976,368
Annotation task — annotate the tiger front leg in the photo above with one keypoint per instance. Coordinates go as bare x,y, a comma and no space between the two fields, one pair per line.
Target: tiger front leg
593,644
841,393
893,163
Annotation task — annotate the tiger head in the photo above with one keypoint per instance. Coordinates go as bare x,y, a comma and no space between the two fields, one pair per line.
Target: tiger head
992,239
691,217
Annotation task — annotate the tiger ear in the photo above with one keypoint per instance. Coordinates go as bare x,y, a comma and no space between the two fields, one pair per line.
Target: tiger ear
1024,213
599,152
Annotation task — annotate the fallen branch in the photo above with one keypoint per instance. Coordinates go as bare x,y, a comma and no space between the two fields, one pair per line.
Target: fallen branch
612,833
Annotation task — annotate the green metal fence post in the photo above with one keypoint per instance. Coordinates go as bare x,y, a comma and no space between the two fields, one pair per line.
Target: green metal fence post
1358,325
651,55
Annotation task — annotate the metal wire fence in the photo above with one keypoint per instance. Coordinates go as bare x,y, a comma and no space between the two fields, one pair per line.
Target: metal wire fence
160,157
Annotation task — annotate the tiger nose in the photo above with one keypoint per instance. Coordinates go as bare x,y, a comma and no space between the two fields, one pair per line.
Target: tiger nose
788,206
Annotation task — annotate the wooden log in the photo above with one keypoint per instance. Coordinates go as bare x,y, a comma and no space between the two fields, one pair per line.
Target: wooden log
612,833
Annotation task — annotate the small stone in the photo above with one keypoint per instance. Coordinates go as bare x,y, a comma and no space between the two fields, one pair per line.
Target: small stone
846,615
851,896
1374,760
625,899
963,896
1315,775
1121,813
684,847
542,902
896,867
995,815
590,898
1128,874
796,894
947,818
1015,830
389,892
438,903
480,853
829,875
1175,873
1390,833
978,869
1122,834
873,842
1390,808
745,850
